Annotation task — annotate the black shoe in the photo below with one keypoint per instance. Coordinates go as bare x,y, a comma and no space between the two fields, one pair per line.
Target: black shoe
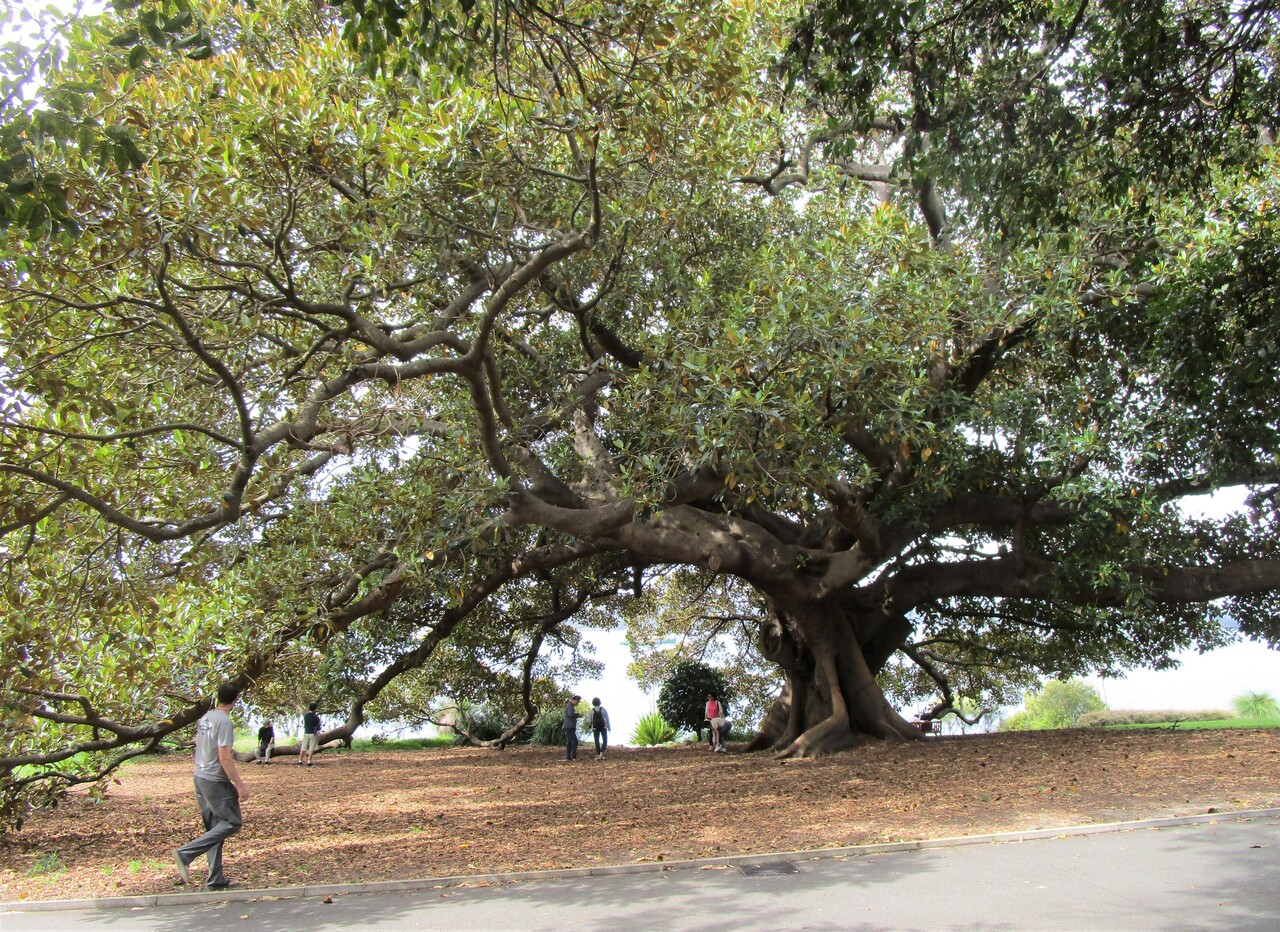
225,885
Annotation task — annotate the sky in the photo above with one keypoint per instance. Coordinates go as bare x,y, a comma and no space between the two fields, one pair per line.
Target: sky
1204,681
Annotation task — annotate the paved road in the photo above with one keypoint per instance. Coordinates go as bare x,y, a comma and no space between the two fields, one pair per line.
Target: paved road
1204,876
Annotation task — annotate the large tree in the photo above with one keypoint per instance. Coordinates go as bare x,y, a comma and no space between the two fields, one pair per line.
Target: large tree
405,333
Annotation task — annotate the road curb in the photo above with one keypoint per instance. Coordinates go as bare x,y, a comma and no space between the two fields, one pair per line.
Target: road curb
735,860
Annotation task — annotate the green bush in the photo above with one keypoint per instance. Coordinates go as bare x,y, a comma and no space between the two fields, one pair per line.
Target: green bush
384,743
653,729
1212,724
548,729
1101,718
1256,706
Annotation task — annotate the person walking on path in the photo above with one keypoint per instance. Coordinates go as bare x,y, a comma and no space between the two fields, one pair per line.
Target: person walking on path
219,790
571,716
310,735
599,727
266,743
715,716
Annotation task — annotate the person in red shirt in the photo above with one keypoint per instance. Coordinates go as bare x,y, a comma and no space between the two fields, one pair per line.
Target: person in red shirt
715,715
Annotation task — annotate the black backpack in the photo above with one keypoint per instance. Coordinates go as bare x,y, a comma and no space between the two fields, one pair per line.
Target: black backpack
597,718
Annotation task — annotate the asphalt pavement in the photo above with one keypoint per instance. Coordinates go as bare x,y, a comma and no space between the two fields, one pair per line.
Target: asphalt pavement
1218,874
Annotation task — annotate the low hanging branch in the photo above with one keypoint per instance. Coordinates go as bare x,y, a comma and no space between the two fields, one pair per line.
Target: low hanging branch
948,702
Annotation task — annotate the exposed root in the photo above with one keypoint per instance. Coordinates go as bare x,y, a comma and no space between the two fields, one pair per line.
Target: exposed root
829,736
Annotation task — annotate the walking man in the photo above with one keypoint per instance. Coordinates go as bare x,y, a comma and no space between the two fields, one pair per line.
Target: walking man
310,735
571,716
599,727
219,790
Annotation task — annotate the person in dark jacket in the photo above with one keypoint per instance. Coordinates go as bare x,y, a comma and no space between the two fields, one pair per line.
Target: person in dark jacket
571,716
310,735
266,743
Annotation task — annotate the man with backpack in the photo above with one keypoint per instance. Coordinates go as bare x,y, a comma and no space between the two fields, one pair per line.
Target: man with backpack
599,727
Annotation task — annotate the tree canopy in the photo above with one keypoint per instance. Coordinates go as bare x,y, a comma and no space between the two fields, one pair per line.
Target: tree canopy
393,343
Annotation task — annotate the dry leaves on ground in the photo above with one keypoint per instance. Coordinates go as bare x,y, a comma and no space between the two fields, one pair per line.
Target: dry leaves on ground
382,815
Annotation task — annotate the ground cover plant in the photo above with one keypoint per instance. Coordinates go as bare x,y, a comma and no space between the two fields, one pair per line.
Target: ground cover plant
395,814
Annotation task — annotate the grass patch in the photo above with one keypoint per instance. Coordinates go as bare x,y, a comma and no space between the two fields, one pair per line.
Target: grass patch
46,863
1212,724
249,743
401,744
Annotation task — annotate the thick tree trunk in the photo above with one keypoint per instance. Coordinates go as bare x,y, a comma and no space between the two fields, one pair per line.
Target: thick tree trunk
831,700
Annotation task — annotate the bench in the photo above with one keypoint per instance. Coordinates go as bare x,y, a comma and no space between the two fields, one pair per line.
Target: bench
929,726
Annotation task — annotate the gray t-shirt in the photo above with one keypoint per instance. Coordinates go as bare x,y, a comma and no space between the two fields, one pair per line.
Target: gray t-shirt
213,731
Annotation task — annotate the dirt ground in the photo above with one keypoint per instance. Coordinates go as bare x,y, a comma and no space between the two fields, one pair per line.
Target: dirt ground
383,815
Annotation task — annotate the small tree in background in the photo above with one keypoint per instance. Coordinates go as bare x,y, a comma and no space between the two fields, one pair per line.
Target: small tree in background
1256,705
683,698
1058,704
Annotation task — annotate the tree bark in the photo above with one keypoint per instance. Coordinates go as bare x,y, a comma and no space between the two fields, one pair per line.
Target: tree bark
831,700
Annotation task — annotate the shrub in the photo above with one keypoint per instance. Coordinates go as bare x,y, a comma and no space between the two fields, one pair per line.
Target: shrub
653,729
548,729
1101,718
1256,705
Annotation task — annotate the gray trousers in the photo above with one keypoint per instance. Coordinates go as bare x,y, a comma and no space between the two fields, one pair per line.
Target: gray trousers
220,809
